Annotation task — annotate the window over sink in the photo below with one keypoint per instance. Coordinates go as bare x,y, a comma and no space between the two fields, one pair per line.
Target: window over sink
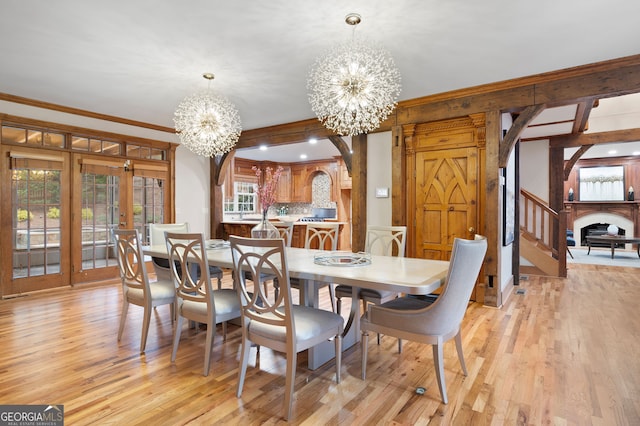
245,198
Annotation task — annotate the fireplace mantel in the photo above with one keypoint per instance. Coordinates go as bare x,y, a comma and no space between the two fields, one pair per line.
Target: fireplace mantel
626,209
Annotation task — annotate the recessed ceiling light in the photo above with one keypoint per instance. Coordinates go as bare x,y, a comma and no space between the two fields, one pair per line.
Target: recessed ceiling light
303,156
613,151
635,153
263,147
313,141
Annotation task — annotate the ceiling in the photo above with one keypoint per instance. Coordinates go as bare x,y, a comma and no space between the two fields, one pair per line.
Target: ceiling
137,59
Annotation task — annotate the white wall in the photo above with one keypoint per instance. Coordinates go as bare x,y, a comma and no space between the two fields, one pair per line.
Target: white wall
378,176
534,168
192,190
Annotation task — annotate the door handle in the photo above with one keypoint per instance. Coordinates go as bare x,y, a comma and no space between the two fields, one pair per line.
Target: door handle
123,223
472,230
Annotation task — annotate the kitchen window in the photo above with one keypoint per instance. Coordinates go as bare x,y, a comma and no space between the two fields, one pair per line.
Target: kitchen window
244,198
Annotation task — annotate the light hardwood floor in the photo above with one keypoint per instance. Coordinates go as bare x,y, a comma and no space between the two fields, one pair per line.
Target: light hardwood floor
565,352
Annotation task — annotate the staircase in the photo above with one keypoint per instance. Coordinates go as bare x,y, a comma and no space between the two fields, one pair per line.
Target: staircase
543,241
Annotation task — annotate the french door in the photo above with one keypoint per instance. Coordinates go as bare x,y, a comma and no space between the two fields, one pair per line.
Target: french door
100,204
35,220
58,211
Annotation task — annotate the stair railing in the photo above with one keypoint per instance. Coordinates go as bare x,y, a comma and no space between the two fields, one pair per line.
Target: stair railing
541,223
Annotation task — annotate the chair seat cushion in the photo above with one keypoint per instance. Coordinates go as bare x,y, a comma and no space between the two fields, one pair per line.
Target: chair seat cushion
226,302
160,290
398,318
309,323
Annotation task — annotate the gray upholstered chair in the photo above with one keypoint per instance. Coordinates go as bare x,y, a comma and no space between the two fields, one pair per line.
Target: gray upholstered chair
281,325
197,300
323,236
429,321
136,287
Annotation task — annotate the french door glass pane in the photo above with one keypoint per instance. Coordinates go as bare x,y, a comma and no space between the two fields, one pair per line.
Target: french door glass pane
36,211
148,203
100,214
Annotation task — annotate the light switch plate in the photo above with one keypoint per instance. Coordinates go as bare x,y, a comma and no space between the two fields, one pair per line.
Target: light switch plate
382,192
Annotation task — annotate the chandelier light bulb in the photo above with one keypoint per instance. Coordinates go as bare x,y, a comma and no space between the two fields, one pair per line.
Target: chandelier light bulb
207,123
354,87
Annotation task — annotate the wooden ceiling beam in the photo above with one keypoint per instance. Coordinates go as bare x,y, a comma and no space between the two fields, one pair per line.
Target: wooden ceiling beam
513,134
569,141
574,159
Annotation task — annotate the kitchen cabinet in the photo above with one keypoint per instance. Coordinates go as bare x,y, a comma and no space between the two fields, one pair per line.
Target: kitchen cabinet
283,193
300,189
345,179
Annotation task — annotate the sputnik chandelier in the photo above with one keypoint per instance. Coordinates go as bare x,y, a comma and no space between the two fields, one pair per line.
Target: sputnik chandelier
354,87
207,123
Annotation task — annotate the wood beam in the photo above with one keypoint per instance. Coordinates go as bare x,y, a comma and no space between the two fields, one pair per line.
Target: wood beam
359,192
574,159
513,134
569,141
345,152
581,122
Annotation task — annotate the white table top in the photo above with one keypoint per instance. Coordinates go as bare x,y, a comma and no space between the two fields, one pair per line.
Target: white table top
398,274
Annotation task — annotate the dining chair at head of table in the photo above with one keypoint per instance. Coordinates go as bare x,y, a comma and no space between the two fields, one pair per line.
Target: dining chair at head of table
427,320
156,237
279,325
136,286
196,299
322,236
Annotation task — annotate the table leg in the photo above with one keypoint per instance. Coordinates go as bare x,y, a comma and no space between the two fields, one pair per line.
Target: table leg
588,245
325,351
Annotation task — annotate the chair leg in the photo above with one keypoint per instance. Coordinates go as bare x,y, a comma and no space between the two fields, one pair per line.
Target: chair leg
123,317
176,337
364,343
245,347
145,327
460,352
290,380
338,305
276,289
224,331
438,359
211,331
399,346
338,343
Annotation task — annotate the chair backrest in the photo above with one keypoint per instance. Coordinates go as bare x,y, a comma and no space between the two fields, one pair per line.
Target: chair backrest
187,254
325,235
286,232
386,240
157,230
448,309
258,257
132,268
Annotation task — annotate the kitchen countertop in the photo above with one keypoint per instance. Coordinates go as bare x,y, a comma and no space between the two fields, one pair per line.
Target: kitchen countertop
273,219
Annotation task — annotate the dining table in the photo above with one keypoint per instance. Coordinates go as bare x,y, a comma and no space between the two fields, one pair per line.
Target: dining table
386,273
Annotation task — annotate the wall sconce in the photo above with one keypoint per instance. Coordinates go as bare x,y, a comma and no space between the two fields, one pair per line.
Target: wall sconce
127,164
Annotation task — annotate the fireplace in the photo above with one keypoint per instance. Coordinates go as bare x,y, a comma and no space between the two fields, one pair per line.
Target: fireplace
598,229
598,223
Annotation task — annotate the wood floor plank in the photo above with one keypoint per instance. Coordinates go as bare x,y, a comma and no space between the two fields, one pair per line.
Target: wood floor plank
564,352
